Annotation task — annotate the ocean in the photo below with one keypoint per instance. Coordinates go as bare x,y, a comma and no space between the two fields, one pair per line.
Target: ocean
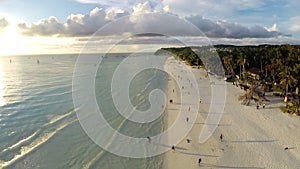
39,127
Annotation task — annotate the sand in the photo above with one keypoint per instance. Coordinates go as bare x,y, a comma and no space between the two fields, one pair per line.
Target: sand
252,138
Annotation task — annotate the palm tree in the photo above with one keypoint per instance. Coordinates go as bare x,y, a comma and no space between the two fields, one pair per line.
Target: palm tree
242,61
276,66
296,72
292,107
227,60
287,80
253,93
267,68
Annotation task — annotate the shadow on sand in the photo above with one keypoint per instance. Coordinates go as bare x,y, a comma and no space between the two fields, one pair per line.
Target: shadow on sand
183,150
168,146
196,154
182,104
172,109
252,141
214,124
224,113
223,166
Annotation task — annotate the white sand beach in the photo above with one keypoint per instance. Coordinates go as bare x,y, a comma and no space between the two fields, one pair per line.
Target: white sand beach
251,138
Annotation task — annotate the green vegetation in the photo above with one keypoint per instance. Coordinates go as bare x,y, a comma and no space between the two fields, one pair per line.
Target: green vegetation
292,107
186,54
277,68
259,68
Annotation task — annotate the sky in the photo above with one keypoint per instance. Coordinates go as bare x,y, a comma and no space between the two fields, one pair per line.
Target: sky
63,26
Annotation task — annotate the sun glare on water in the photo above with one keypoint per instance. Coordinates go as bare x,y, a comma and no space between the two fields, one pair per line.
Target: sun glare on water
2,100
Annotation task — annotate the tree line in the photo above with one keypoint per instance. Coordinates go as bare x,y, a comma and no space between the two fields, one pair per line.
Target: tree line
277,66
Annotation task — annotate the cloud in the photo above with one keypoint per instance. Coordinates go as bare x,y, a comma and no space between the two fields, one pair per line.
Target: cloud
247,12
85,24
123,4
142,8
232,30
138,22
3,23
112,14
50,26
273,28
76,24
212,7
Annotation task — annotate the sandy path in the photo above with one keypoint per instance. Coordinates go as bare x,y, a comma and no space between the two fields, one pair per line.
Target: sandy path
252,138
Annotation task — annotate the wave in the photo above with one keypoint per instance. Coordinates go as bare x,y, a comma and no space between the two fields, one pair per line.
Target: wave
34,145
21,142
60,117
94,160
110,141
43,135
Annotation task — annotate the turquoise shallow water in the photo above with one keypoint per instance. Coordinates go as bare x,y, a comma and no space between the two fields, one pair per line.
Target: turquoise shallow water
38,123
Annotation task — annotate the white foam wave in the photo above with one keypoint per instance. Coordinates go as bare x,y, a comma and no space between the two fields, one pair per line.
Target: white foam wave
35,144
59,117
20,142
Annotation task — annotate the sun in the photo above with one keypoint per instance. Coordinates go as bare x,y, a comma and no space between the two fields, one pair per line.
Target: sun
11,41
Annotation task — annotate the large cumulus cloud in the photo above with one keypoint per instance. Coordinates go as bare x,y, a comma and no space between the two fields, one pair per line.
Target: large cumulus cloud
81,25
50,26
231,30
75,25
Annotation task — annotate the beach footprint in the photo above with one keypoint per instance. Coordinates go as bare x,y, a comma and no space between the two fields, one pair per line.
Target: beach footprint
292,126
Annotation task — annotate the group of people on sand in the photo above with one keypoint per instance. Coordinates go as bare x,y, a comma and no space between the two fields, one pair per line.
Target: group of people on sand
171,101
189,141
221,139
200,159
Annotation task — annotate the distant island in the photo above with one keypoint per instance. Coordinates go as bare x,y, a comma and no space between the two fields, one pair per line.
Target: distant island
257,69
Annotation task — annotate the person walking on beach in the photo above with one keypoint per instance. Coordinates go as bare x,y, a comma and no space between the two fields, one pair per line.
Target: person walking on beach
221,137
187,119
264,105
149,139
173,147
199,161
